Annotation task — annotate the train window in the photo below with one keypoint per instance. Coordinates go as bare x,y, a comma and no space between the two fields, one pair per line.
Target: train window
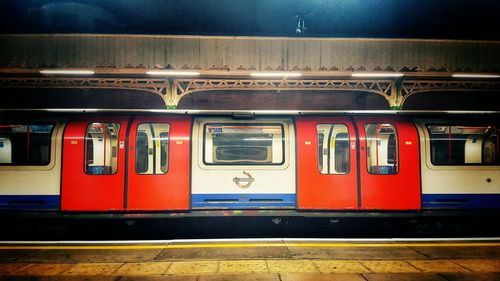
141,153
464,145
101,148
381,149
244,144
164,136
151,154
25,145
333,149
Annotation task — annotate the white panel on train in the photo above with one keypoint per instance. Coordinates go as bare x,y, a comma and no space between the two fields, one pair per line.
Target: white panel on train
243,163
30,165
459,164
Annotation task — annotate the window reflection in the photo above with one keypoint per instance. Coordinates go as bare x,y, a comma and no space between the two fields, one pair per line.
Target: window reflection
381,149
333,149
463,145
244,144
151,154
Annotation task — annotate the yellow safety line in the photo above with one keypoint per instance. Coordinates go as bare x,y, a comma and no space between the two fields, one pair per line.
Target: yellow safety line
240,245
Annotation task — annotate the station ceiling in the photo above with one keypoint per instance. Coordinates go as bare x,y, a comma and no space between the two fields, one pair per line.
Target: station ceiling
423,19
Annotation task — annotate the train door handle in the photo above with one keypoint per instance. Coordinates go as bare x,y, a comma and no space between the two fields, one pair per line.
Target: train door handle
248,180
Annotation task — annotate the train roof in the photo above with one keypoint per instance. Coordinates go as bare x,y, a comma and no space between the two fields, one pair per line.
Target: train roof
248,112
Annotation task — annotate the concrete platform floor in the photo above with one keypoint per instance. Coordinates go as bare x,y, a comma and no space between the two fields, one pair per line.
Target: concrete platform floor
279,260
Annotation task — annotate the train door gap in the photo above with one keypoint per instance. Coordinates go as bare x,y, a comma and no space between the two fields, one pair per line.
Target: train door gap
358,164
127,158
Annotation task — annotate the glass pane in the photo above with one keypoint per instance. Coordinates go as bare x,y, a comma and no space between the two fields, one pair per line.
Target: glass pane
342,153
141,153
25,144
164,151
381,149
244,144
152,148
101,148
463,145
333,149
321,166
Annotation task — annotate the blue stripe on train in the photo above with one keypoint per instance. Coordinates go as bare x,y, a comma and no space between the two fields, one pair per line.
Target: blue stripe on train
461,201
235,201
29,202
242,201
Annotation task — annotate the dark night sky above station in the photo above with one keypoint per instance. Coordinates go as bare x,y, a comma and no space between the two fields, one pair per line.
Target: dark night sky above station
432,19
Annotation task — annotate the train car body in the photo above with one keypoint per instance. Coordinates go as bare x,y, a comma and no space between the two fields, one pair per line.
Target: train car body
241,164
30,165
460,165
122,163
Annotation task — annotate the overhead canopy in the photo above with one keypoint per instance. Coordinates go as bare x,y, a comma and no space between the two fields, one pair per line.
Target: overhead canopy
233,54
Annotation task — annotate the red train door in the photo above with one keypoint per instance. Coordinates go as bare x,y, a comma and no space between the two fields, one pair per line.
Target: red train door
389,164
326,163
158,163
93,164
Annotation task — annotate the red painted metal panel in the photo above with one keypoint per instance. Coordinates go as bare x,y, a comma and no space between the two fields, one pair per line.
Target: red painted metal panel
399,191
168,191
323,191
84,192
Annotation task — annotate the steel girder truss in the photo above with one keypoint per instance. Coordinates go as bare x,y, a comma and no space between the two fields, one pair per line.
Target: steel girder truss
159,87
183,87
411,87
171,90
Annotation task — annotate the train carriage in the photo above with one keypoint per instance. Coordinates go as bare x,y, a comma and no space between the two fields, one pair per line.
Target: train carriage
184,162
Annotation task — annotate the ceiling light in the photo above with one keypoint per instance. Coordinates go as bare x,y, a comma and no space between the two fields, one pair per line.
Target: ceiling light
275,74
377,74
67,71
172,73
470,75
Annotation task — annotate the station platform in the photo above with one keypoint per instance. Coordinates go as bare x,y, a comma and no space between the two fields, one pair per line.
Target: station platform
275,259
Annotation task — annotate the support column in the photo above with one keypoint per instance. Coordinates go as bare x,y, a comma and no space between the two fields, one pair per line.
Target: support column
396,98
171,98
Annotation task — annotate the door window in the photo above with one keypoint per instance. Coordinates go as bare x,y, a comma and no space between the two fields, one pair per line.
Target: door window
151,156
333,148
101,148
381,149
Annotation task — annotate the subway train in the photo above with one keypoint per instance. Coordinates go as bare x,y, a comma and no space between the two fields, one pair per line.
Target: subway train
183,162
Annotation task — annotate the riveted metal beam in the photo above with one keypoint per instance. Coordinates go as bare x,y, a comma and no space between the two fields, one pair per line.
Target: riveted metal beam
184,87
171,90
159,87
411,87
